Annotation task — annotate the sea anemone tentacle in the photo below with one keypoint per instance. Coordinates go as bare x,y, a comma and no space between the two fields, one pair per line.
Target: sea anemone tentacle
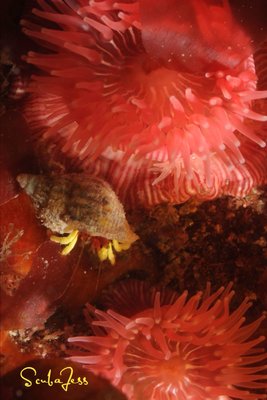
175,346
100,89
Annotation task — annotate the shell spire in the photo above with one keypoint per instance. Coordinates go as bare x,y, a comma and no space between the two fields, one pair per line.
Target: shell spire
27,182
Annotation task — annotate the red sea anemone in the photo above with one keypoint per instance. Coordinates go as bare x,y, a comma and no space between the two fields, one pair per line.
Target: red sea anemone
156,345
145,118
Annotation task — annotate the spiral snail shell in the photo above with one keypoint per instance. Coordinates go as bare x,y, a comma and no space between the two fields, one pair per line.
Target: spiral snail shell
81,202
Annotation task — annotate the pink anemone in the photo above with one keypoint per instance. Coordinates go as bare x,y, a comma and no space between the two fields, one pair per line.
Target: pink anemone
154,345
105,99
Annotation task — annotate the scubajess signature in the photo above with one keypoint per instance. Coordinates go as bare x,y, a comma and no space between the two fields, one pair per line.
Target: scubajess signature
64,378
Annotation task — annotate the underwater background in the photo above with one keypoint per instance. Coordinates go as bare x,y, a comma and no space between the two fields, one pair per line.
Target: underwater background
182,244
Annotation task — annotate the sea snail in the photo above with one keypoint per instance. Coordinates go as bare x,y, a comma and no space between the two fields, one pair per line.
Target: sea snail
72,203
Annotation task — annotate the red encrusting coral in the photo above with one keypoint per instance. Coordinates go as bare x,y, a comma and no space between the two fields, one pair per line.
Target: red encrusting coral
103,99
174,347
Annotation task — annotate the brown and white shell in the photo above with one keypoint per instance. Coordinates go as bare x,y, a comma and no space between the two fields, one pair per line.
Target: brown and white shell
78,201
